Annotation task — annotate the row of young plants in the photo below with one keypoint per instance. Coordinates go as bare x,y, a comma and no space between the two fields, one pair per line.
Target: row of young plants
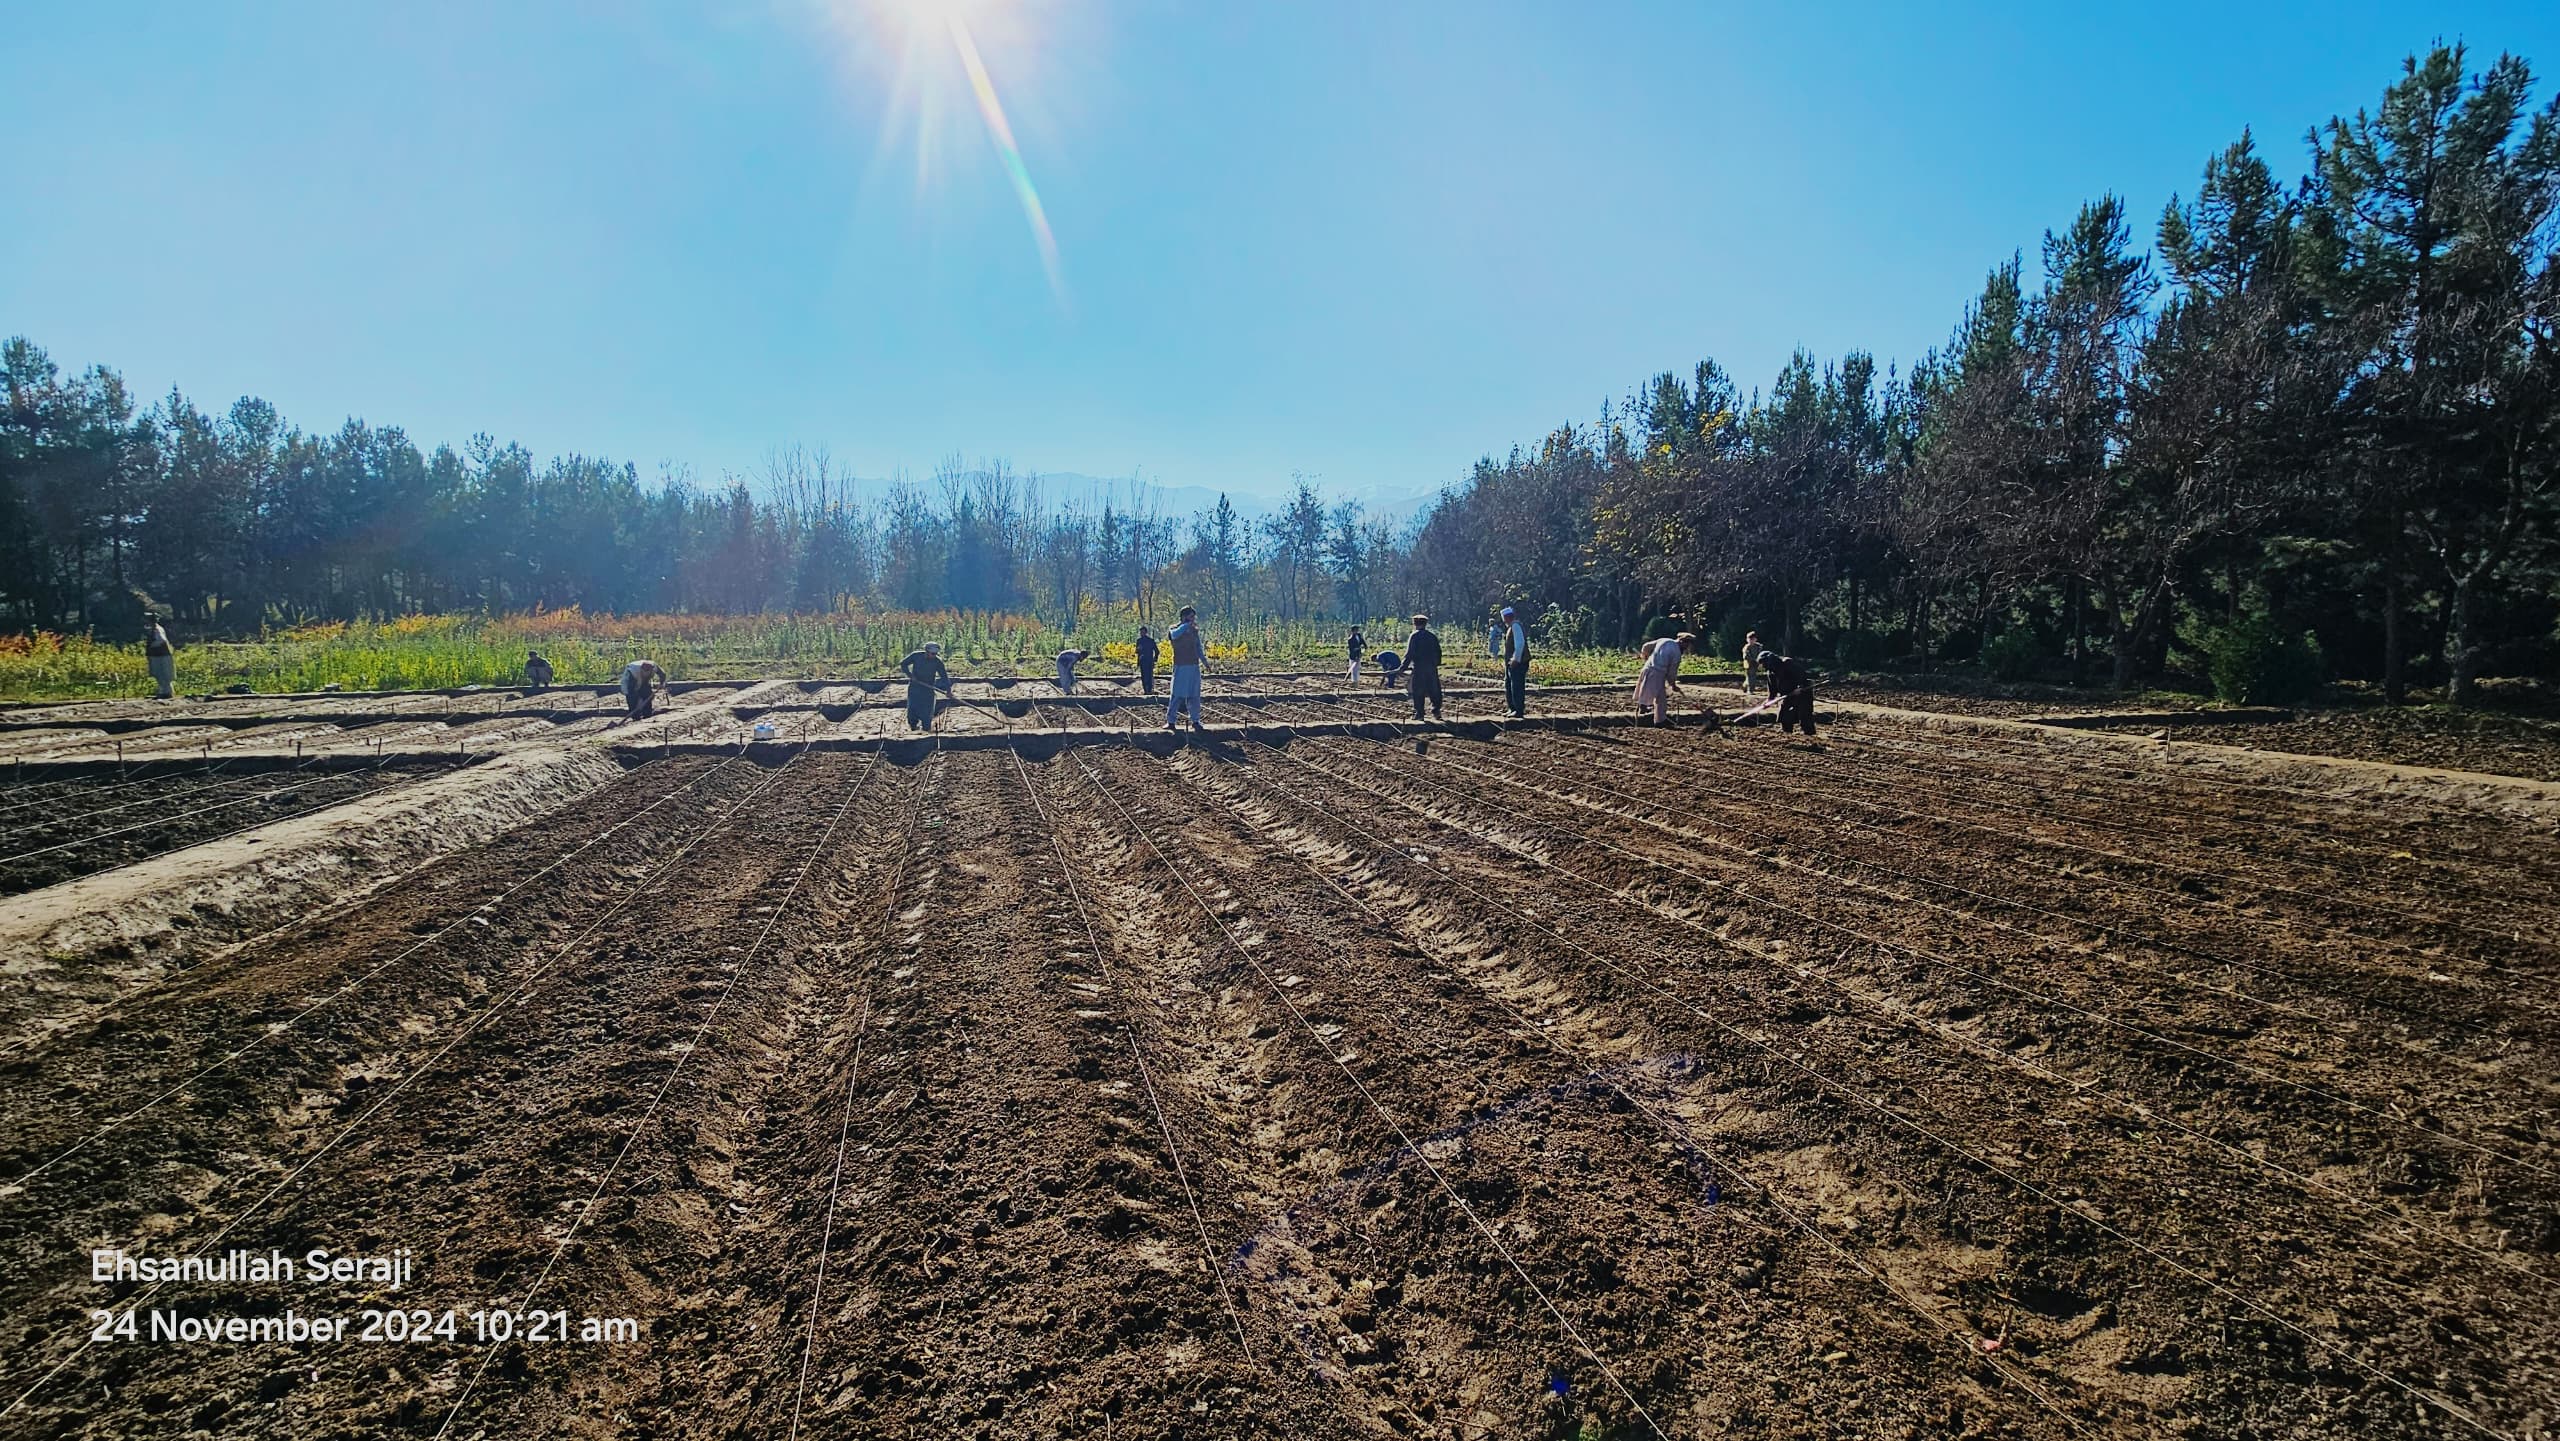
445,652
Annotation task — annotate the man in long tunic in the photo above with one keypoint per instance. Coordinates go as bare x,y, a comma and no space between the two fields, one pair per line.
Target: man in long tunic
926,677
1188,652
162,656
1422,667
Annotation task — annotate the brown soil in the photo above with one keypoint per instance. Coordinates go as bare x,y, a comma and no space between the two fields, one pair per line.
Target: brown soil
1549,1085
100,825
2429,736
1990,698
2489,741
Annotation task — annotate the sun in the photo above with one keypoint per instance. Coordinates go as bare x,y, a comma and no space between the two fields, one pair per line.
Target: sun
931,38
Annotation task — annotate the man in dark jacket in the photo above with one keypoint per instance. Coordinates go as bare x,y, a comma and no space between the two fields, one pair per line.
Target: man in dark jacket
1147,652
926,677
1422,667
1793,684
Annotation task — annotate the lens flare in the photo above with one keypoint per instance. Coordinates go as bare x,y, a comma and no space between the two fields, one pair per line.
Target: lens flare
904,51
1000,131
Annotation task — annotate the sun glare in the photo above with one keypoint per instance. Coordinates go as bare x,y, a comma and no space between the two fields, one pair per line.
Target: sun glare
930,14
933,39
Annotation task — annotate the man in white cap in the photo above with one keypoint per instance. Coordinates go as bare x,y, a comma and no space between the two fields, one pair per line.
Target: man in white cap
1515,663
1422,666
926,674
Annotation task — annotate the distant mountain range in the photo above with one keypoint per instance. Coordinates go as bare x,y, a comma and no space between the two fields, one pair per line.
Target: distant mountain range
1179,503
1182,501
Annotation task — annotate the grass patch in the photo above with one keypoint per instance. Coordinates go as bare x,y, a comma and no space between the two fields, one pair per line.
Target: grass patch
448,652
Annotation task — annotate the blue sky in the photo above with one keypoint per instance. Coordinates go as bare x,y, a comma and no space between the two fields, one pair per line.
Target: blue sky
1364,241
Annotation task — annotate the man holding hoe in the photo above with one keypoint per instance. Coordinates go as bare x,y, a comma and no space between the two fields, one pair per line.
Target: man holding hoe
1791,684
1661,675
643,681
926,675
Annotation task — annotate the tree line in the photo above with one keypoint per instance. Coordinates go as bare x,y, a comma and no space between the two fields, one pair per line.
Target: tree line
2318,415
234,522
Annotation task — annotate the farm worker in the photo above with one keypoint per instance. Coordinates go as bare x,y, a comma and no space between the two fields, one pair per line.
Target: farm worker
641,682
1390,669
1753,654
1515,669
1147,652
1493,638
925,674
1789,678
1067,662
1187,655
1359,644
161,656
537,671
1661,674
1422,667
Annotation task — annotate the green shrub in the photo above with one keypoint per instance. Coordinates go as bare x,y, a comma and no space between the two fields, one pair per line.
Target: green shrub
2013,654
1560,629
1660,626
1860,649
2257,662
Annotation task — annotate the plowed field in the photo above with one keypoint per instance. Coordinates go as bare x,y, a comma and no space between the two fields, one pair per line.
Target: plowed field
57,831
1608,1084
